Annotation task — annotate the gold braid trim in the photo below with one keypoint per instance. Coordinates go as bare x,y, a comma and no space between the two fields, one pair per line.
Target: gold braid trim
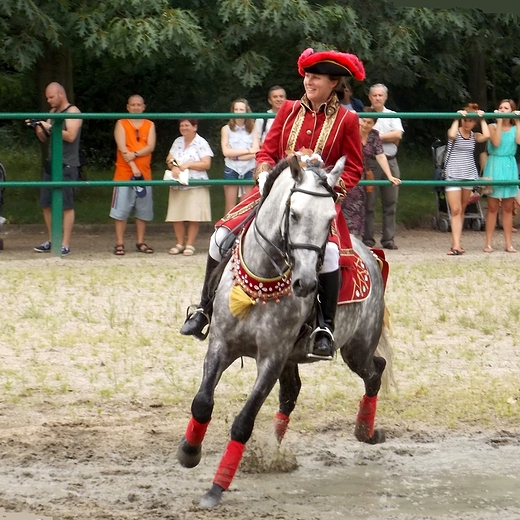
261,167
295,130
331,112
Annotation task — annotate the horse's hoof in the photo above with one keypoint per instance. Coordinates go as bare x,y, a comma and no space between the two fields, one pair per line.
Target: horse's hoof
188,455
361,432
378,438
212,497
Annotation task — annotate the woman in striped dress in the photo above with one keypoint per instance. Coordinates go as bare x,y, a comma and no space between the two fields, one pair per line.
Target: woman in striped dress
460,166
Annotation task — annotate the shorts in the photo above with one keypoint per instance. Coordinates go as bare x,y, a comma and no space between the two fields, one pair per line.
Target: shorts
458,188
232,175
70,173
125,199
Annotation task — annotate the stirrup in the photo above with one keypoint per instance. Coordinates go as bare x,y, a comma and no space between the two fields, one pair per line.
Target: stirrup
203,333
326,331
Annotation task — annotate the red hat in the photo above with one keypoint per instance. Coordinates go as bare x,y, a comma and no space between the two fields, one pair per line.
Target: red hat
332,63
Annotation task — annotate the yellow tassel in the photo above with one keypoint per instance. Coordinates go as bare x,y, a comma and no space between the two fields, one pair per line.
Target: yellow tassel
239,302
386,319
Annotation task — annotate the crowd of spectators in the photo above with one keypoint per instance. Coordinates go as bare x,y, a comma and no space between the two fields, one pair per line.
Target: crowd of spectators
241,139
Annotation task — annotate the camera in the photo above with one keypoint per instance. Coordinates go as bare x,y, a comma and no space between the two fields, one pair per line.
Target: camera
33,122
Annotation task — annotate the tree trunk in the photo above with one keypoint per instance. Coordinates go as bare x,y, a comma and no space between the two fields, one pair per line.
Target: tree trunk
54,65
477,85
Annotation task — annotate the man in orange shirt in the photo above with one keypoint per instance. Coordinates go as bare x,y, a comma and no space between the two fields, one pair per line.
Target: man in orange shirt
135,139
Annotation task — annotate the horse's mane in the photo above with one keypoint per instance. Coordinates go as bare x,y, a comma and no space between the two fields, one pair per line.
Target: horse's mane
282,165
273,175
321,173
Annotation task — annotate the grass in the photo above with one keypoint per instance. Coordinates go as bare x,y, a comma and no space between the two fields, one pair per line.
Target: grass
416,204
73,340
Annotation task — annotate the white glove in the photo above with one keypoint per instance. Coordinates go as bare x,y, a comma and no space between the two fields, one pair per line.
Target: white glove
262,177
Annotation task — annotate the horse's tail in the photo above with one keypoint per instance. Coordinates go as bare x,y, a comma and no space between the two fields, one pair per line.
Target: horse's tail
384,349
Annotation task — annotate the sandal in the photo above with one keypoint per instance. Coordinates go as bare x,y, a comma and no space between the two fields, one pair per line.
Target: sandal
510,249
454,252
177,250
143,248
189,251
119,249
488,249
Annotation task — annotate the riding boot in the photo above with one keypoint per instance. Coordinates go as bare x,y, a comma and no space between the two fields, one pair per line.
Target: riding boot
197,323
328,289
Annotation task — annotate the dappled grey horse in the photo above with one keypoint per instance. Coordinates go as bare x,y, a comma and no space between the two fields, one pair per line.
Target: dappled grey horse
265,311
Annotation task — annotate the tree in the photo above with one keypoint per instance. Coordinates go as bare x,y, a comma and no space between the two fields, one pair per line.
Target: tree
41,34
194,55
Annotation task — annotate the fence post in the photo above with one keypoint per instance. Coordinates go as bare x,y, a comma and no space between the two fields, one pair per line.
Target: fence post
56,193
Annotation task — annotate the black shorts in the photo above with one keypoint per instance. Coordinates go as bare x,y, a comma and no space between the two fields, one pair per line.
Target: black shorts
70,173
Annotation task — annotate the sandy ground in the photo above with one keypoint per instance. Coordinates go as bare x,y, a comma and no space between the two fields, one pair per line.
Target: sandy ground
70,449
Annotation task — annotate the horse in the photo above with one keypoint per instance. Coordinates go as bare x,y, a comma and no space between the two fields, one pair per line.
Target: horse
284,247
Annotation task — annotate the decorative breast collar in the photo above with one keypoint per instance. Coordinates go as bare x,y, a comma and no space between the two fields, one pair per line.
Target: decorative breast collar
257,288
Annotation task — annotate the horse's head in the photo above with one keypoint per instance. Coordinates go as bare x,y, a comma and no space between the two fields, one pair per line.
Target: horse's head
310,209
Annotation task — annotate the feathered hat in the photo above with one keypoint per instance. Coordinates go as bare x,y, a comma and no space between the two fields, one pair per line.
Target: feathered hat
332,63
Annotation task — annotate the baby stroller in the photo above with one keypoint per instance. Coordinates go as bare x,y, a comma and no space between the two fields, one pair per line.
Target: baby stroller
473,217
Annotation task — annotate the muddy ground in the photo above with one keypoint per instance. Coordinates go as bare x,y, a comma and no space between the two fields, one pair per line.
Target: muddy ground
80,441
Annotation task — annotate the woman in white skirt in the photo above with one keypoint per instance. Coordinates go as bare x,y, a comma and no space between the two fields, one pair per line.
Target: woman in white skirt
188,205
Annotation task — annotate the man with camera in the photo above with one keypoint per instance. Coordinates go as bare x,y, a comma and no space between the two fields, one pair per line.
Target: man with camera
71,132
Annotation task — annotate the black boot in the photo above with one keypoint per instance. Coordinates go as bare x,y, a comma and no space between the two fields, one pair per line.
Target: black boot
197,323
328,289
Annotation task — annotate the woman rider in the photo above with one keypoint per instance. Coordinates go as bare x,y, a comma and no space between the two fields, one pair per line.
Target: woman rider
317,123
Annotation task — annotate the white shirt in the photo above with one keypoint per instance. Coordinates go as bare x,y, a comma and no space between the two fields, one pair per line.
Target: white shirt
194,152
387,124
260,125
240,139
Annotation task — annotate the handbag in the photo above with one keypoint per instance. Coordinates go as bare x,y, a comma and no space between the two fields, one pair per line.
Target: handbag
183,177
369,176
485,190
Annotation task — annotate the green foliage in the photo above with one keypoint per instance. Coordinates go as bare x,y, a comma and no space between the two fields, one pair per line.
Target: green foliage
138,30
196,56
415,208
25,28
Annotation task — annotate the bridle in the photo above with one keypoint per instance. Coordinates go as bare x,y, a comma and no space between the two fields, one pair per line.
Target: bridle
286,246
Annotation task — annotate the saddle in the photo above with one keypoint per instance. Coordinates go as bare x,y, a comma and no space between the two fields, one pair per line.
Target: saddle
355,278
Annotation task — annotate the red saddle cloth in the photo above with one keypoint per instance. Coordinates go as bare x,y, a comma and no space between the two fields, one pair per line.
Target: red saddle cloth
356,280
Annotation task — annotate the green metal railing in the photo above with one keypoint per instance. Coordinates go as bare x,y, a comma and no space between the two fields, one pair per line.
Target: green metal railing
56,147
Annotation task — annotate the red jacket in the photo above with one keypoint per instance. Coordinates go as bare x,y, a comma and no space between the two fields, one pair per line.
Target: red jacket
340,137
332,136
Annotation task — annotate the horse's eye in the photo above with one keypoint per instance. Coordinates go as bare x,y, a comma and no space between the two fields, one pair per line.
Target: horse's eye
294,217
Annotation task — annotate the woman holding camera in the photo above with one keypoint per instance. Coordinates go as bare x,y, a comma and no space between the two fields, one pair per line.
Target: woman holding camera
461,166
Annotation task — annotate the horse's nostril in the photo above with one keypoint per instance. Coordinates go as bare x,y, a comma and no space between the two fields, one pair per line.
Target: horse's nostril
303,289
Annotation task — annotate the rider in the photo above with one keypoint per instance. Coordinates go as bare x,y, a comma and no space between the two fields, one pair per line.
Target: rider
317,123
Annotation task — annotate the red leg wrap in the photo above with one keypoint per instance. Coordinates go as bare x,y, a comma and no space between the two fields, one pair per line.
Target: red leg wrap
366,417
229,464
195,432
281,422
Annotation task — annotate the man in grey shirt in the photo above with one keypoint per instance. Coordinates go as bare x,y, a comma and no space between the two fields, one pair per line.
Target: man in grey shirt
391,131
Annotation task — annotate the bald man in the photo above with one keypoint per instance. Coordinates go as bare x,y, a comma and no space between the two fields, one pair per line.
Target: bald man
71,132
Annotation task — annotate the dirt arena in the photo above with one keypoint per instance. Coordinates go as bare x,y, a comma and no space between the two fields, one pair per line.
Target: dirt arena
96,385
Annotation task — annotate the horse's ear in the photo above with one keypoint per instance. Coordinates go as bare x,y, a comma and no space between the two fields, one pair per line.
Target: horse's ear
334,175
296,170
